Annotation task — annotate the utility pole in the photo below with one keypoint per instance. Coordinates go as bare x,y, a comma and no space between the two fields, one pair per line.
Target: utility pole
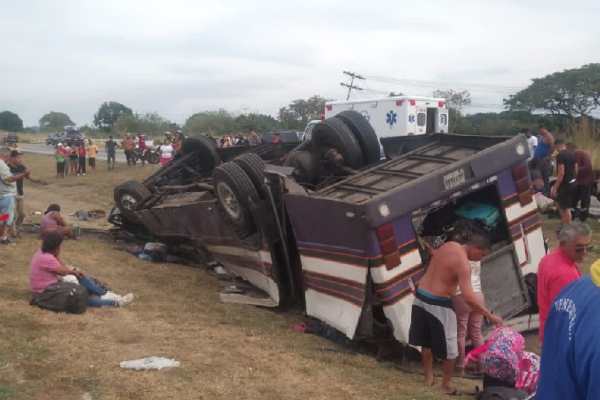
351,85
245,109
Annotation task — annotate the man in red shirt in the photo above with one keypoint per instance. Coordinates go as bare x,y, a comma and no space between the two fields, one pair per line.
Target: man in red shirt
585,180
142,146
558,268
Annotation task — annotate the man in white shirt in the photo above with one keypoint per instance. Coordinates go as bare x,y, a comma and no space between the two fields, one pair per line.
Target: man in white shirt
8,190
532,141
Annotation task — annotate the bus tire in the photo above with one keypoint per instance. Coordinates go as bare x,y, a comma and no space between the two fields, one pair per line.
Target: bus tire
234,190
333,133
363,133
254,167
128,195
205,149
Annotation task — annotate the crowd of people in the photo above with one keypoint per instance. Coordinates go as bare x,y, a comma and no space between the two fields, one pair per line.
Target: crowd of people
575,176
71,157
231,140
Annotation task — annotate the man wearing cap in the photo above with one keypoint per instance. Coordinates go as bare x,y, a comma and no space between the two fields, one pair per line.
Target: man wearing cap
565,185
15,164
8,190
571,355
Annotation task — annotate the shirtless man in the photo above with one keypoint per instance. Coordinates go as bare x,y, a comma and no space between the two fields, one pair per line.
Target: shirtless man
433,321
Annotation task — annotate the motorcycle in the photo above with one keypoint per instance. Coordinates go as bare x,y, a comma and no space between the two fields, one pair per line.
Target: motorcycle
150,155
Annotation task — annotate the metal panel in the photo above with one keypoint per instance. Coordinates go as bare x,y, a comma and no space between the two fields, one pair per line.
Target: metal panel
502,283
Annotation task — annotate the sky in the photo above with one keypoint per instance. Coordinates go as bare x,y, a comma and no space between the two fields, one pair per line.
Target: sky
180,57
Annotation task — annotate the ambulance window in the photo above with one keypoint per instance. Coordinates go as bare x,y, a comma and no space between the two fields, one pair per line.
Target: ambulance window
421,119
443,119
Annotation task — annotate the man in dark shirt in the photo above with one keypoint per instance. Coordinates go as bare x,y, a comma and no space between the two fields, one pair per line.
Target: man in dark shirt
17,168
111,147
565,186
585,181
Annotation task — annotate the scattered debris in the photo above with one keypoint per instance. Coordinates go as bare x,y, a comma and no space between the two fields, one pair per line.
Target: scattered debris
152,252
150,363
91,215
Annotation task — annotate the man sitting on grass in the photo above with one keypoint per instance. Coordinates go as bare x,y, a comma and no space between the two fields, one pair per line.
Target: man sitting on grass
46,268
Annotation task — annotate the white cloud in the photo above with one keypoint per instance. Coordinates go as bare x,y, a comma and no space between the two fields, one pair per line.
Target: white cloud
182,56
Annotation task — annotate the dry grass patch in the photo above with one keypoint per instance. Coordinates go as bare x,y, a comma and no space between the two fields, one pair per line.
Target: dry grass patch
227,351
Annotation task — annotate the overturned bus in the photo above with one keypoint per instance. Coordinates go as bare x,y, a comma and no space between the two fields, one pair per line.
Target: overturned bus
332,227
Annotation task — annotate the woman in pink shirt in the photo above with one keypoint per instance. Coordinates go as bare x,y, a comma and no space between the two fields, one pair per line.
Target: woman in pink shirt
46,267
54,222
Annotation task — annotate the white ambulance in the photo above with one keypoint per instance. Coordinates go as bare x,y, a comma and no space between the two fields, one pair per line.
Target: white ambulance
394,116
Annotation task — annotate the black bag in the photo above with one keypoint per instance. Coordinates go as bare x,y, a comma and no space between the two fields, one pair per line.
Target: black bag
531,284
62,297
502,393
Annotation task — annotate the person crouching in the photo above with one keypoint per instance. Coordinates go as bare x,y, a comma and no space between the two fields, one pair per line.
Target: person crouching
54,222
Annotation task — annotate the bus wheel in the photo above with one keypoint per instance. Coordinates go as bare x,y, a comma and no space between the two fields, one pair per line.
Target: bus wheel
333,133
363,133
234,191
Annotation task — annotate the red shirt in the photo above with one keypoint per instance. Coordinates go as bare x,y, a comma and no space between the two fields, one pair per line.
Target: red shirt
142,143
585,171
556,270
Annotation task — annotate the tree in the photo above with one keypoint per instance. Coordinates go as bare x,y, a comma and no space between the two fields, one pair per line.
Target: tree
108,113
572,92
150,123
257,122
10,121
54,121
456,102
394,94
299,112
219,121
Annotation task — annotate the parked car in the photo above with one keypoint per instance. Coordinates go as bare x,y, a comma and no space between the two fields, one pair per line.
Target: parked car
11,138
286,136
52,139
74,137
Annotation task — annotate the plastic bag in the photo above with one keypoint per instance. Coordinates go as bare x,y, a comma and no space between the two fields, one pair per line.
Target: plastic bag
150,363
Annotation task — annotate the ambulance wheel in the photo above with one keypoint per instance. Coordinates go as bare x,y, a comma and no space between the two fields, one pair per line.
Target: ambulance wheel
205,149
127,197
335,134
234,191
363,133
254,167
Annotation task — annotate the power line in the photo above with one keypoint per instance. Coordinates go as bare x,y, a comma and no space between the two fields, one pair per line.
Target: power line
471,86
351,85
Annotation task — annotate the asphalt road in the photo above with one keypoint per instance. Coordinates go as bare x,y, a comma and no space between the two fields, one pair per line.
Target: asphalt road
120,157
43,149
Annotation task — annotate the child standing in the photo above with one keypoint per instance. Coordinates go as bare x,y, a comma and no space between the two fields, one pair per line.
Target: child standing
92,151
82,153
60,161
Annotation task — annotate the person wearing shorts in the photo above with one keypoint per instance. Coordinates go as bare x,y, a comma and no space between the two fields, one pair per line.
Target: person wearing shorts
92,151
565,185
74,159
433,325
8,191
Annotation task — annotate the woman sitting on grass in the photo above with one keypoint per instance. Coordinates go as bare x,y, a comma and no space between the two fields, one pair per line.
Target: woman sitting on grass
46,267
54,222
